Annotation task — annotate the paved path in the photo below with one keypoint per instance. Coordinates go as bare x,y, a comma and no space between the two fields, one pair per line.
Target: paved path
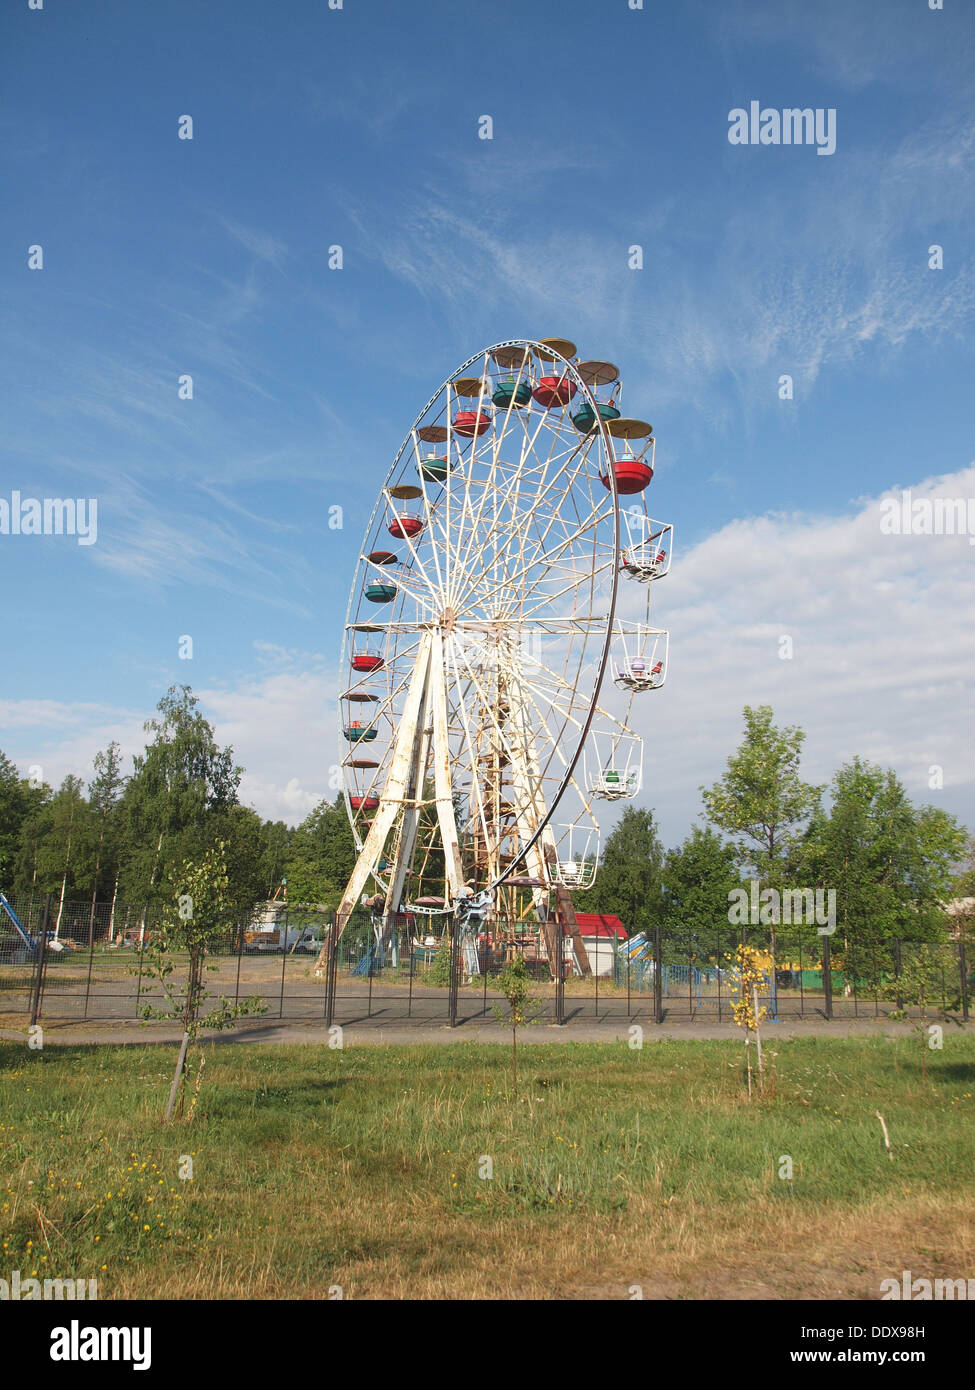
377,1033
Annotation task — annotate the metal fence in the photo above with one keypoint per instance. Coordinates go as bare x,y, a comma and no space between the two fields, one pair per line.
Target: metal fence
96,966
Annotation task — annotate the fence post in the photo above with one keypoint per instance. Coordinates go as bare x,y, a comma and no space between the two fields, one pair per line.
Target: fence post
330,974
371,948
658,980
452,993
876,980
897,973
596,976
91,947
559,935
240,954
964,981
142,947
284,959
35,1008
91,956
827,978
409,1006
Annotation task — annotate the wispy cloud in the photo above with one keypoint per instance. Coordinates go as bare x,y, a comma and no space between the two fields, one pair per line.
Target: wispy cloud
259,243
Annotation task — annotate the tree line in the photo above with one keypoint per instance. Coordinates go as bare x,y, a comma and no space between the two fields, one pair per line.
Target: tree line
893,866
122,836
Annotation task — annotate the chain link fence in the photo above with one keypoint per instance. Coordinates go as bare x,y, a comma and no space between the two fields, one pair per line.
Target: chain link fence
89,961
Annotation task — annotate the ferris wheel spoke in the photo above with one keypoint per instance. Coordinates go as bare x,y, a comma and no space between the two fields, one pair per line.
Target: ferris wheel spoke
527,447
568,714
552,566
414,550
517,536
552,598
504,519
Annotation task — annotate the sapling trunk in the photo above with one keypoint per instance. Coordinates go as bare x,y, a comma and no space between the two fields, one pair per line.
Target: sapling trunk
178,1076
758,1040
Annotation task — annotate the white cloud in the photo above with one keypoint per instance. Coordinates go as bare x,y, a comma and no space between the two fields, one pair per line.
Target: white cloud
884,655
283,730
884,651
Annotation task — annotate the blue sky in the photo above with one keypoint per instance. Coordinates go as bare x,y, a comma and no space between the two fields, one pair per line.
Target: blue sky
359,127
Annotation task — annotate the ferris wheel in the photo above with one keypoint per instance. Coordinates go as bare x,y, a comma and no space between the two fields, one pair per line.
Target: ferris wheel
497,634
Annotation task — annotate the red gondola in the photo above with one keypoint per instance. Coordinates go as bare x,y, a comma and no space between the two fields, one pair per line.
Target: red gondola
471,422
632,475
366,661
553,391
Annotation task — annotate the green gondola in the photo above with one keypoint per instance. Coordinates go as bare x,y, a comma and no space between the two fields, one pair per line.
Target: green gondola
507,393
585,418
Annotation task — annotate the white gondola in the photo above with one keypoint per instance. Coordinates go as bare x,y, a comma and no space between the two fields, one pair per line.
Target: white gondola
639,657
614,784
646,546
578,855
612,764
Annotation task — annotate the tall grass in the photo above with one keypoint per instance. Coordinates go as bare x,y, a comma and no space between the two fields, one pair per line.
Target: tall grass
363,1169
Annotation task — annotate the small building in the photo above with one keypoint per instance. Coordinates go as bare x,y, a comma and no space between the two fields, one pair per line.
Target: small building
601,934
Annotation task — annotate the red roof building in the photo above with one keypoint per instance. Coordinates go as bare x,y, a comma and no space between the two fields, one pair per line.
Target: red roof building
601,924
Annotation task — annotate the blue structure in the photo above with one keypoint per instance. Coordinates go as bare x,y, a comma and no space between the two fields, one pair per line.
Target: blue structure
371,961
19,927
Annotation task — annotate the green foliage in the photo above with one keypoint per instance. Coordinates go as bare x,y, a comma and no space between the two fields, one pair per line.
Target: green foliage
439,971
630,874
198,919
104,801
698,877
15,805
891,863
963,899
242,834
177,783
58,842
927,980
761,799
515,984
321,855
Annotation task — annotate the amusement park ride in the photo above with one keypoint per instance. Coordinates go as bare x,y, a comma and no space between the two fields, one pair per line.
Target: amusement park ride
497,634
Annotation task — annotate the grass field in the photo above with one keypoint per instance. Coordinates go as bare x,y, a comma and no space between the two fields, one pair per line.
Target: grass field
360,1169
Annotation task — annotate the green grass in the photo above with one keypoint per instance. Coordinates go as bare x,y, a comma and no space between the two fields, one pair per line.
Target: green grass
360,1168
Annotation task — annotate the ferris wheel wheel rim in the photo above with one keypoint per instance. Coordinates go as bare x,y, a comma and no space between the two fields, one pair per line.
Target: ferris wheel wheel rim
543,352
